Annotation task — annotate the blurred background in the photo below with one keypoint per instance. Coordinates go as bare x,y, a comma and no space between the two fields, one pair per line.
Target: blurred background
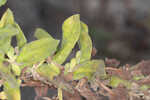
119,29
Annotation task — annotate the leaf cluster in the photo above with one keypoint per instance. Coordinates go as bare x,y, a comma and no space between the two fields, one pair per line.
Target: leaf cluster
42,58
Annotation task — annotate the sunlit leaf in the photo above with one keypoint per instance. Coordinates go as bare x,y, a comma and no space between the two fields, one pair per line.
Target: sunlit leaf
11,84
1,57
2,2
3,96
71,33
78,56
21,39
36,51
6,34
41,33
48,70
86,69
7,18
70,66
7,30
16,69
10,52
85,43
12,89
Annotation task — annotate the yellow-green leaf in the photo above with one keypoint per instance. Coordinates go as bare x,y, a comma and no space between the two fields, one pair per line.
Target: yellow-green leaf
21,39
11,53
2,2
16,69
37,51
85,43
8,31
7,18
6,34
86,69
71,33
70,66
11,84
12,89
41,33
115,81
48,70
4,44
3,96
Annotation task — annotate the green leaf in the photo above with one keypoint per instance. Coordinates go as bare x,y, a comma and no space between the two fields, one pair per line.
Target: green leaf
86,69
4,44
6,34
85,43
12,89
37,51
1,57
78,56
71,33
11,84
16,69
48,70
8,31
11,53
7,18
70,66
41,33
2,2
115,81
21,39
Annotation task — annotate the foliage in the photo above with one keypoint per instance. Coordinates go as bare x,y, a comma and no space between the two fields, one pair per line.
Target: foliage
42,61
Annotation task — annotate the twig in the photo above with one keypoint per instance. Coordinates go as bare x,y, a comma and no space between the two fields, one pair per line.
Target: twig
104,87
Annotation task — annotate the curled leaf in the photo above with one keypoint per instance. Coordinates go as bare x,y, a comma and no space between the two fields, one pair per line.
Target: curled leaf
71,33
85,43
7,18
